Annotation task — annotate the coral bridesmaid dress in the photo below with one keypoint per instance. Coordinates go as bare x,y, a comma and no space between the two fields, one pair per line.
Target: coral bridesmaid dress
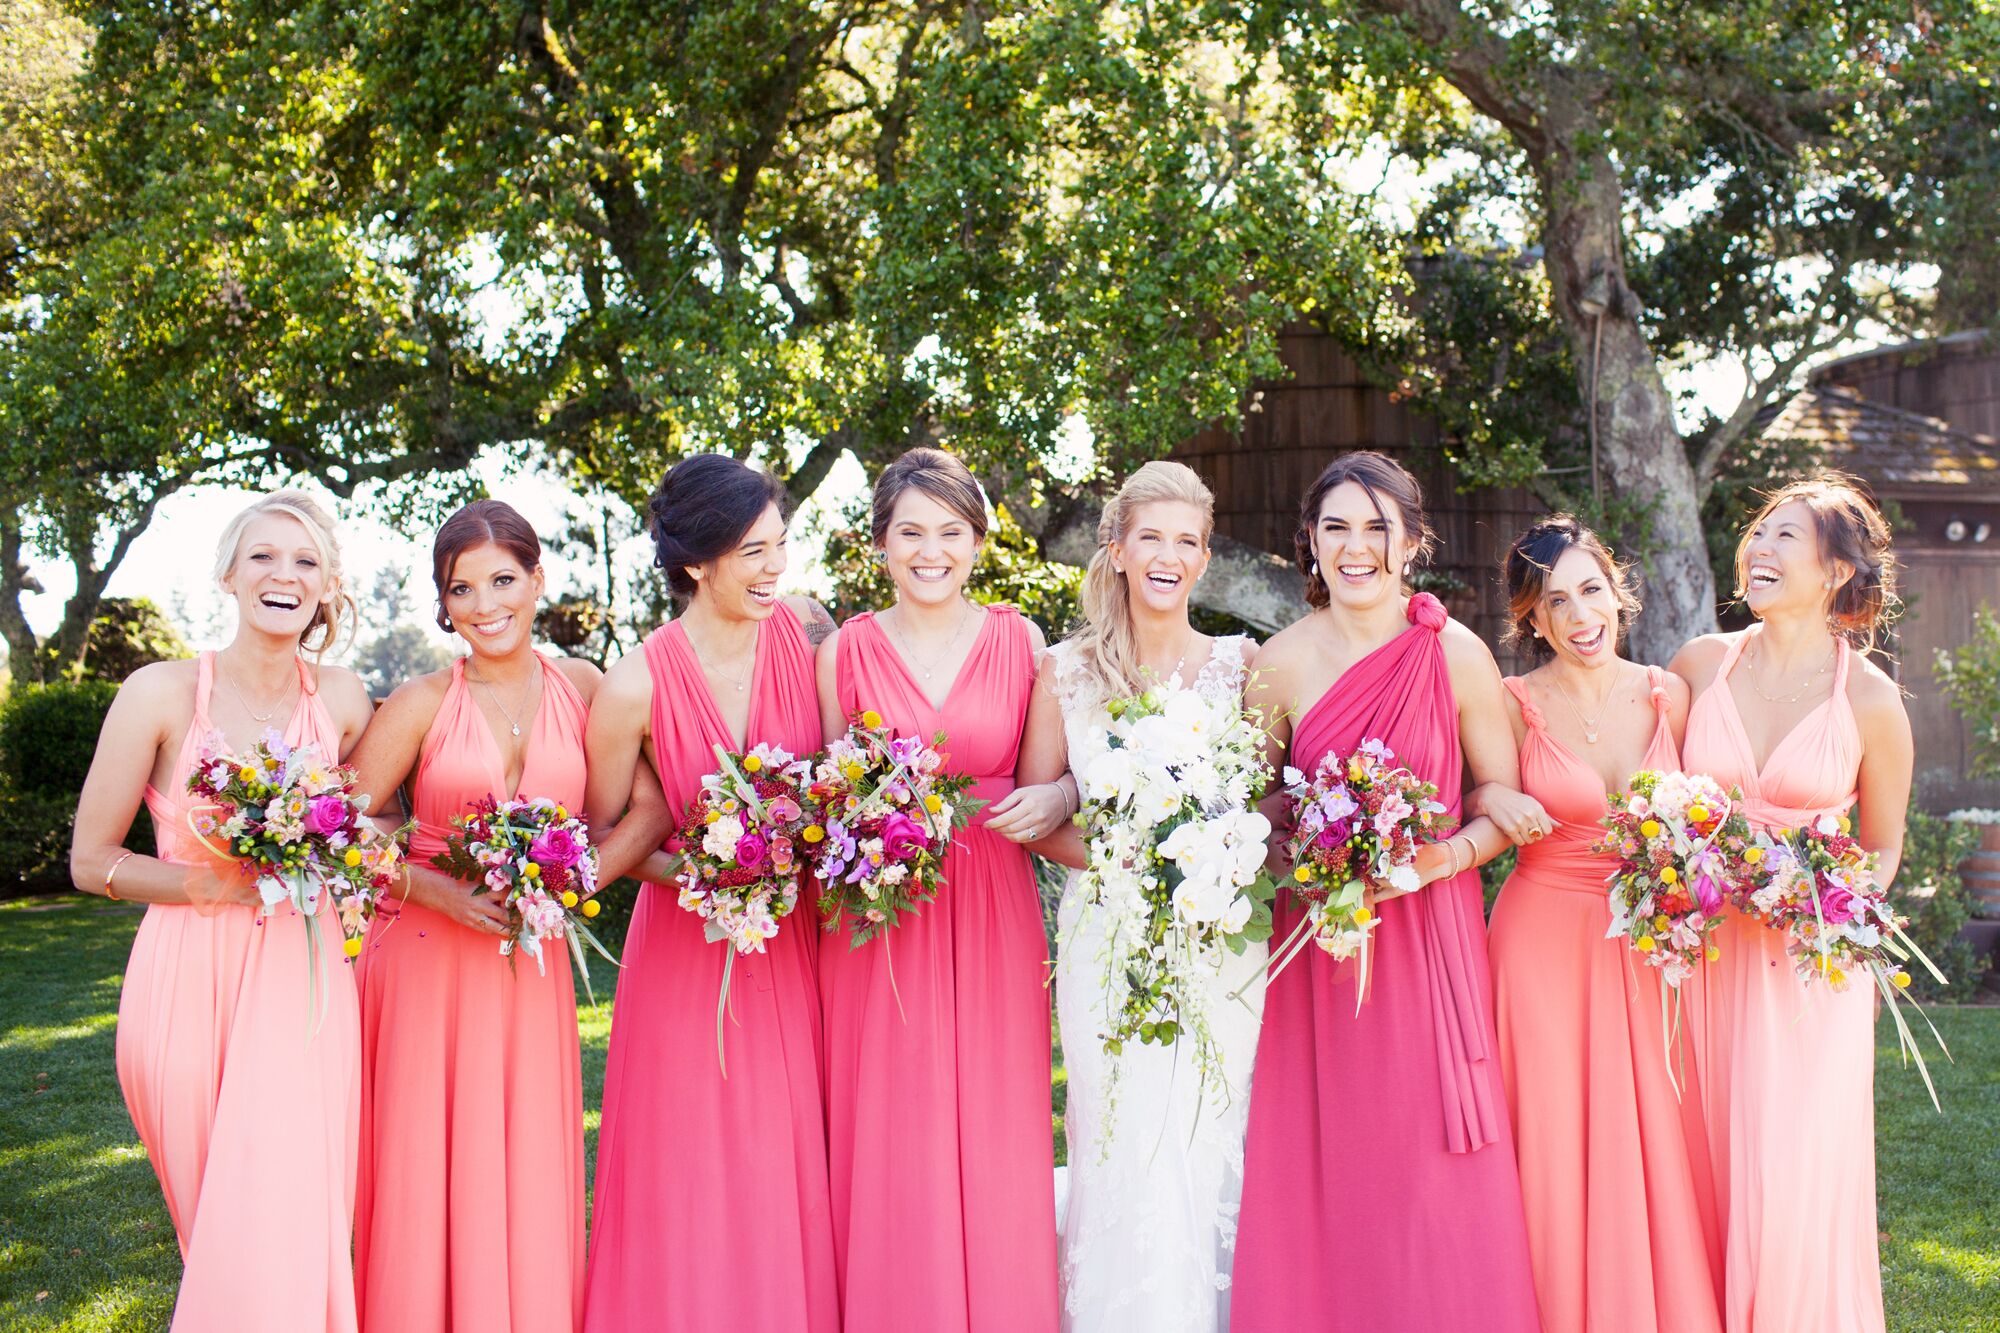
1379,1185
1614,1164
246,1106
1788,1072
470,1215
711,1211
938,1125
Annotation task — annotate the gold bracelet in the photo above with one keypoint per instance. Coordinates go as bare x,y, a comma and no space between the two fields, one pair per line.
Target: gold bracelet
1471,852
110,892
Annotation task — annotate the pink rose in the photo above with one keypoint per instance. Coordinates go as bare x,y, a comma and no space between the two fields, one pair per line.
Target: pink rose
903,837
1836,902
750,851
325,814
555,846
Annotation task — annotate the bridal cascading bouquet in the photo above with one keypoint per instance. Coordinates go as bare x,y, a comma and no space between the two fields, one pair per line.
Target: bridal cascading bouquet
1357,822
537,854
1817,888
740,850
886,812
1175,859
1684,849
292,816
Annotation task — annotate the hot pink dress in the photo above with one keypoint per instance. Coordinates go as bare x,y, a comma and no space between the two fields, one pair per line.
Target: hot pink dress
938,1126
711,1211
218,1048
1379,1186
1614,1164
470,1216
1788,1072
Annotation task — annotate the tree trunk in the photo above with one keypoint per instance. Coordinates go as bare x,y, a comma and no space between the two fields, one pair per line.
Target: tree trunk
24,658
1639,455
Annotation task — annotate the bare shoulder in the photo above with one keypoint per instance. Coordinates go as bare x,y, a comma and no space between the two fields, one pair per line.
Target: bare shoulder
417,697
581,673
816,619
161,684
828,652
1298,640
1038,642
1463,649
1699,657
343,691
1872,692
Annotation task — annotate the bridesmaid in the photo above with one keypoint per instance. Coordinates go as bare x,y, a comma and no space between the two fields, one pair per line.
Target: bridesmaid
1614,1163
711,1201
1793,712
470,1212
938,1129
218,1043
1379,1183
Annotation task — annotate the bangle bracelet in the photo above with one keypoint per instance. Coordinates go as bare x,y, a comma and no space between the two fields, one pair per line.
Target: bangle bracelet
1471,852
109,891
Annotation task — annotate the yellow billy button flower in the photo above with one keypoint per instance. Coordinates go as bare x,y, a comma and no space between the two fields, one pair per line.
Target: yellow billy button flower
711,816
851,771
569,898
1362,916
590,907
1644,944
1846,824
1901,979
1714,954
1698,813
871,719
813,833
532,871
1661,924
353,857
1650,829
752,764
351,946
932,803
248,773
1668,875
1303,874
561,813
1753,855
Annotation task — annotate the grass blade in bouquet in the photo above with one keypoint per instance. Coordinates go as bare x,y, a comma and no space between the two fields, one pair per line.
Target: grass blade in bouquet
1357,822
292,816
1683,848
1819,891
886,812
1175,860
740,849
538,854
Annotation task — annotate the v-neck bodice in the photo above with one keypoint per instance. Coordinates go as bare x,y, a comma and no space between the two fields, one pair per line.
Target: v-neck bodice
1811,771
461,762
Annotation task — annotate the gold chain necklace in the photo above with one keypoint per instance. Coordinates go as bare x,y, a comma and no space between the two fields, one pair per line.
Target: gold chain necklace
1589,724
964,618
1812,681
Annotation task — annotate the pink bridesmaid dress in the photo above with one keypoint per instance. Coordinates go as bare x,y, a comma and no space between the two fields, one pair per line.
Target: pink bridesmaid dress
1379,1184
711,1211
938,1125
1788,1072
219,1048
470,1215
1614,1163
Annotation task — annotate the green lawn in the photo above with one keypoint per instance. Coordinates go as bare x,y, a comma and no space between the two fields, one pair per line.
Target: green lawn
85,1243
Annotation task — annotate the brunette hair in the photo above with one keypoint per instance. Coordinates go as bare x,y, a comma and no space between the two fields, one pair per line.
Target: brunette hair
329,617
1377,474
941,476
703,507
1850,527
1530,561
1102,652
475,524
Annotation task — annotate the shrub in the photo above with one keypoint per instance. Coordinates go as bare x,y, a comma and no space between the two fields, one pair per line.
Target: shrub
1931,892
1969,677
126,634
34,843
48,734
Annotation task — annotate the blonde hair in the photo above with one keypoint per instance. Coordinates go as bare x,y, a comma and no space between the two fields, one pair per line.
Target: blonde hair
1103,656
330,617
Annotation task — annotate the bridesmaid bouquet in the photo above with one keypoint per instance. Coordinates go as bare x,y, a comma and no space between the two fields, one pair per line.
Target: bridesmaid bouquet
740,850
1175,858
1357,822
1818,890
539,855
886,812
294,818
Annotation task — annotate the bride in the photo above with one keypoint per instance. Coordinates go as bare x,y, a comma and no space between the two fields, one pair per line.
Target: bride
1150,1230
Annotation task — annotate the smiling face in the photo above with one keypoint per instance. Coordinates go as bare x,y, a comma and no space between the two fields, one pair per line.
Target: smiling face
743,585
1578,614
1361,548
491,599
929,549
1782,568
278,576
1163,552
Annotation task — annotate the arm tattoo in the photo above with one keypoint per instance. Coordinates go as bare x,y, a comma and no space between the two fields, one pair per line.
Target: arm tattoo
819,624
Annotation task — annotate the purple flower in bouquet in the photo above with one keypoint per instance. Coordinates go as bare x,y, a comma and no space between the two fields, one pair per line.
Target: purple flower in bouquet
325,814
905,750
1706,878
903,837
556,846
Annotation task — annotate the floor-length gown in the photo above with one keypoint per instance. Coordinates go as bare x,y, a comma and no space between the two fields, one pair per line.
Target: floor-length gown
470,1213
1156,1162
1379,1188
1788,1071
242,1074
939,1138
1614,1165
711,1211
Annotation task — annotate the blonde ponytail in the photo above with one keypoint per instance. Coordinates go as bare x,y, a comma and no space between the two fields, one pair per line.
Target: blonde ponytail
1100,660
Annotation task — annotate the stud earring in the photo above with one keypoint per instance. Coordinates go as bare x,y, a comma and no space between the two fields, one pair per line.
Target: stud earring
1315,569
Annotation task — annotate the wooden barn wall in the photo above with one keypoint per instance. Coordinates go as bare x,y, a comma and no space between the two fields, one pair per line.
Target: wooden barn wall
1961,387
1943,586
1260,472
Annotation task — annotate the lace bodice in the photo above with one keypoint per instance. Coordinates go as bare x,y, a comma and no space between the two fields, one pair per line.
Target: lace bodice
1220,677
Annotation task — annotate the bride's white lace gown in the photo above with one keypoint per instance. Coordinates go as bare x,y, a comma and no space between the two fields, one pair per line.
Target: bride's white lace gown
1149,1235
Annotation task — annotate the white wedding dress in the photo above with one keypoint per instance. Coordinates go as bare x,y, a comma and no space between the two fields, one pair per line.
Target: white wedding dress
1149,1234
